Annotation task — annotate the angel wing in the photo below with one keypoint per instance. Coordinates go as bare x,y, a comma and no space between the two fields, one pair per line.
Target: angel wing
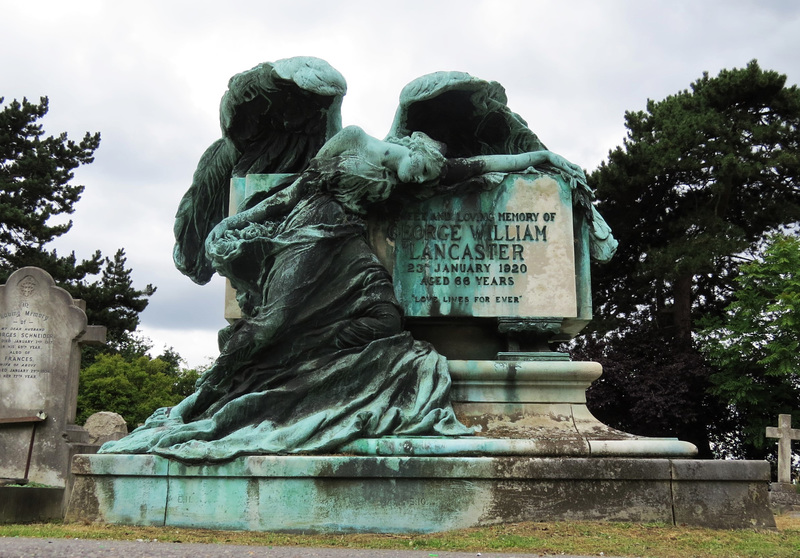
471,117
274,118
468,114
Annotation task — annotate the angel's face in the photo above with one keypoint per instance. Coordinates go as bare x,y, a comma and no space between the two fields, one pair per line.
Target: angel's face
416,166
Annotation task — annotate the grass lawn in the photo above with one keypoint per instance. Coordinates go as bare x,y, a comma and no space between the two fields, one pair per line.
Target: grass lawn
588,538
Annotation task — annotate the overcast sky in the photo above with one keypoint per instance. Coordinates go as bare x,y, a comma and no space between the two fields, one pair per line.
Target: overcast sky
149,75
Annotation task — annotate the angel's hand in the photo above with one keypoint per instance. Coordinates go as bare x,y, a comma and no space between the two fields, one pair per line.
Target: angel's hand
561,163
232,223
216,233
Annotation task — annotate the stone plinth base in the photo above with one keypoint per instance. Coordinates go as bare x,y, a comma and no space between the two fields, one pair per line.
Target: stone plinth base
567,445
22,504
410,494
539,408
26,504
784,498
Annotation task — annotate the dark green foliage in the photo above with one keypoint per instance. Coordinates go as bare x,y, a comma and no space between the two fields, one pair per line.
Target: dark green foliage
701,178
132,383
650,389
133,387
113,301
35,175
35,185
755,345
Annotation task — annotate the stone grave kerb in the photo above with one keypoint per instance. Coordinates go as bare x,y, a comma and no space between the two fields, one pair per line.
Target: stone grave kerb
40,330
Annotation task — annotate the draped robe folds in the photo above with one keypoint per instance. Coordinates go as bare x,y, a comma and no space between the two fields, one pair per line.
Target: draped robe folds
321,358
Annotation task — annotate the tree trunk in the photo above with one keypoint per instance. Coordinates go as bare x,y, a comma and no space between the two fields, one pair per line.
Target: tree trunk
682,310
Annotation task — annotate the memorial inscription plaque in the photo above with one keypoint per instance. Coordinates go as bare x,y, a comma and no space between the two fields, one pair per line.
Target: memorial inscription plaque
26,348
509,251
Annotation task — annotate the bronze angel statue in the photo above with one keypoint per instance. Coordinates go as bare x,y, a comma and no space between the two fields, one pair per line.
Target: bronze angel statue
320,357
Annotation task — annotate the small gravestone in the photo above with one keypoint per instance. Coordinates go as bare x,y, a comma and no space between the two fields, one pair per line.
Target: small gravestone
40,328
783,496
104,427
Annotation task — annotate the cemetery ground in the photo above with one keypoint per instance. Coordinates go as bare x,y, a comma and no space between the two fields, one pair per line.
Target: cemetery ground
576,538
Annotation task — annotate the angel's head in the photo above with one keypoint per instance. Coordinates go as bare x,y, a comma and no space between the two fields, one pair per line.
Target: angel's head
424,158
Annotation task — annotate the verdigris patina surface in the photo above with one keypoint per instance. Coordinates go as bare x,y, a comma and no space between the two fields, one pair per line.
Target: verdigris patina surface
320,357
345,251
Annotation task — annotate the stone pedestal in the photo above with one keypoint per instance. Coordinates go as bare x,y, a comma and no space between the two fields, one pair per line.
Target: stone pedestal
412,494
544,402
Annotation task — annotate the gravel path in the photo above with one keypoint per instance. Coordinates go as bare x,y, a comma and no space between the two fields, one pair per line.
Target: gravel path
14,547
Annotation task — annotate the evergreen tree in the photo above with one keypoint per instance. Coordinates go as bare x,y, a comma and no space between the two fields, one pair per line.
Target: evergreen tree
35,185
113,301
701,178
35,175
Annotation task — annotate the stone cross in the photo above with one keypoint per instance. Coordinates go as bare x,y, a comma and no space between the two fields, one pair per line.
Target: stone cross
785,434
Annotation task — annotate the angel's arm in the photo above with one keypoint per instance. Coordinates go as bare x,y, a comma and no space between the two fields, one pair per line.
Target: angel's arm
520,162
